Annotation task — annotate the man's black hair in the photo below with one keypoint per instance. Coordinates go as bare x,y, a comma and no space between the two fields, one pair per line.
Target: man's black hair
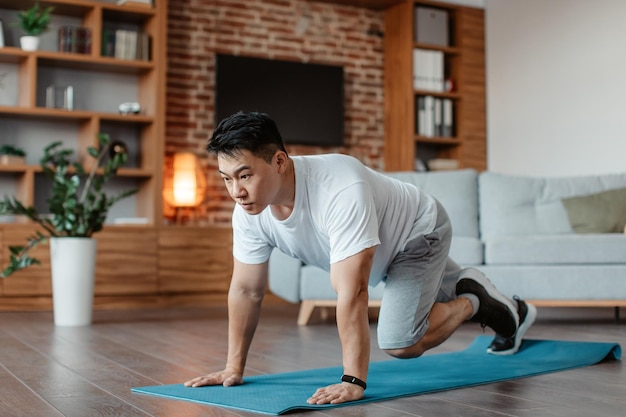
253,131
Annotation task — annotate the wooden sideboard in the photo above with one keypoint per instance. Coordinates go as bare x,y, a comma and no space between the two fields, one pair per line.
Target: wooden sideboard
137,266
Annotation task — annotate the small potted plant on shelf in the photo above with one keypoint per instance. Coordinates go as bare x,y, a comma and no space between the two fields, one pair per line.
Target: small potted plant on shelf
33,22
78,205
11,155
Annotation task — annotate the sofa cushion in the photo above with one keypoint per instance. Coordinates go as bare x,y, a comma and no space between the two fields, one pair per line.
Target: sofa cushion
284,276
466,251
315,285
603,212
521,205
457,191
560,282
557,249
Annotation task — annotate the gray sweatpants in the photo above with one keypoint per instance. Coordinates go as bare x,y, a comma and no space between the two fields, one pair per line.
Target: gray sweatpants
417,278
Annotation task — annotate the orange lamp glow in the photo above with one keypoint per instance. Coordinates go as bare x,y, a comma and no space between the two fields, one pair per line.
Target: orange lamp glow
185,186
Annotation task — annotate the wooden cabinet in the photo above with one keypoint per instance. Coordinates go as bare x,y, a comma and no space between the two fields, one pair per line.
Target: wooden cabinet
195,259
125,264
100,83
34,281
464,66
136,266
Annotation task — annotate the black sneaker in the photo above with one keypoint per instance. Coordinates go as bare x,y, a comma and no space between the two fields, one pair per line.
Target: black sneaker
495,310
509,345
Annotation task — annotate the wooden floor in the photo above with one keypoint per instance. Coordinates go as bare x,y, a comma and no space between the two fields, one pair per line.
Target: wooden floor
85,372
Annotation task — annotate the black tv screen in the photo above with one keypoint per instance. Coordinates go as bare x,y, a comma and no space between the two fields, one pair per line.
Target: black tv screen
305,100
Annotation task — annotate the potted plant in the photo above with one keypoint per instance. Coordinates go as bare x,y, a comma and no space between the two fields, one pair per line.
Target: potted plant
11,155
78,207
33,22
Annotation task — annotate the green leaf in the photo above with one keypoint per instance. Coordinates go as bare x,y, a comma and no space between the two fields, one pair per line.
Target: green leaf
15,250
92,151
103,140
35,20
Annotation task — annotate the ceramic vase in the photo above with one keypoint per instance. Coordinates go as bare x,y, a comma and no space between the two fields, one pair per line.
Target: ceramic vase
73,262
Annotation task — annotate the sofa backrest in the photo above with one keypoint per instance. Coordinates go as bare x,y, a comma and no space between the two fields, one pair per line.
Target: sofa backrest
456,190
512,205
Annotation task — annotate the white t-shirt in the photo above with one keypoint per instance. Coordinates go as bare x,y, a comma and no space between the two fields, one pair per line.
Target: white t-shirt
341,207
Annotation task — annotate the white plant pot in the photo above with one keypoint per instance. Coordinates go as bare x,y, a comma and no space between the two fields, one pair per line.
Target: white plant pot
29,43
73,262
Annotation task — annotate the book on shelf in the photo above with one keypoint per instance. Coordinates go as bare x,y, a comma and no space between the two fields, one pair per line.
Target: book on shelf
428,70
119,44
74,39
435,116
1,34
448,118
108,43
438,116
130,45
143,46
420,120
425,116
126,44
431,26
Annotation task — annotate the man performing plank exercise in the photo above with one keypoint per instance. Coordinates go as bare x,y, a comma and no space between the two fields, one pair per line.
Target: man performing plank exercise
333,212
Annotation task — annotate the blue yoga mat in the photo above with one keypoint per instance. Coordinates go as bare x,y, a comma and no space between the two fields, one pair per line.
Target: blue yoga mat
279,393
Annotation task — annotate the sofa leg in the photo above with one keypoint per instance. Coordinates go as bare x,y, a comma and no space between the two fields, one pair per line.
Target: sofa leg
616,314
306,311
325,313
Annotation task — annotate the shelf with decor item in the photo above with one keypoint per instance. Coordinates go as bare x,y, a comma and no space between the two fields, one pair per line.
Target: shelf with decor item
68,92
434,85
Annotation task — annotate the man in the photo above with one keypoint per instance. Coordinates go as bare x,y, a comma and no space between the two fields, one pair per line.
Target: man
333,212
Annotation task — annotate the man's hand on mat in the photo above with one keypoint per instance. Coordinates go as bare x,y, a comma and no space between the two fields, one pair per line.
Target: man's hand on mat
336,394
227,378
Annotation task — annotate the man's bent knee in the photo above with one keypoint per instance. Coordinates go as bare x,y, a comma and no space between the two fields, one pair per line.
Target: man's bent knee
407,352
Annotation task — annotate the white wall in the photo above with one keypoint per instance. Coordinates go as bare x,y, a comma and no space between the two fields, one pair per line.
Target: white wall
556,86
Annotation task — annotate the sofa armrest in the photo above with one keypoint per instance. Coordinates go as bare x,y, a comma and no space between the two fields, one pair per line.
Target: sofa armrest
284,276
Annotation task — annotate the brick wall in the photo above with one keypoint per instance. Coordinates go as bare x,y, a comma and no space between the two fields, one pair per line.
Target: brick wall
335,34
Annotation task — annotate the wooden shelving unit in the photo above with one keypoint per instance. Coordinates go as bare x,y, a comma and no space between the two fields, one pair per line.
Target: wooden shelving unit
127,255
464,64
96,110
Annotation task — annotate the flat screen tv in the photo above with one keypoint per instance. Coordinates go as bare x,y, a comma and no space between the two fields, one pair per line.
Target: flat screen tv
305,100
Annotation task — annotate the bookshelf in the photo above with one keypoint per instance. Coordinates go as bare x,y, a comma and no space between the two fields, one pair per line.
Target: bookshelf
100,84
463,61
126,273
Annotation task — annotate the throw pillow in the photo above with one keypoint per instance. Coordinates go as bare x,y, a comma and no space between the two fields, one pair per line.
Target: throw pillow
603,212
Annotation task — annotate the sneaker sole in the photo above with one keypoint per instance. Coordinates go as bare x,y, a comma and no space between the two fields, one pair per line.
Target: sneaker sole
531,315
493,292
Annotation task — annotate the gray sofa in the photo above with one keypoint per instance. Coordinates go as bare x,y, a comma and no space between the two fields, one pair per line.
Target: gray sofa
544,239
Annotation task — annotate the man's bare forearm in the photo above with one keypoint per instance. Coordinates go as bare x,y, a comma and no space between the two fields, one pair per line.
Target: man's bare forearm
243,315
353,327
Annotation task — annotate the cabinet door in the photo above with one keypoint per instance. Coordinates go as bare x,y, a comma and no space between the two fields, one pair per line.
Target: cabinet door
195,259
127,261
34,280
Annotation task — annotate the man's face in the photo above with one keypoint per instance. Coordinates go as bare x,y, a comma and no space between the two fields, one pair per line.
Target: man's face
250,180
